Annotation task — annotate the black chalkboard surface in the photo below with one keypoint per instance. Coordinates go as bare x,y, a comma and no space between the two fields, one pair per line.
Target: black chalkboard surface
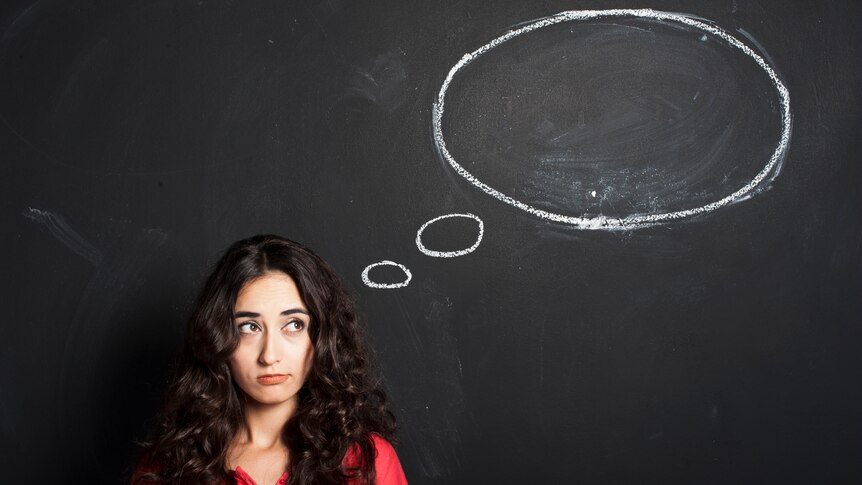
612,246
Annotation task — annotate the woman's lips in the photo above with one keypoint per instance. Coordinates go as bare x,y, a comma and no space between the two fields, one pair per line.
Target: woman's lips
271,379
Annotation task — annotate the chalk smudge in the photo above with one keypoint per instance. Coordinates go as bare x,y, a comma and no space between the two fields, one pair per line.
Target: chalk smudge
381,80
60,229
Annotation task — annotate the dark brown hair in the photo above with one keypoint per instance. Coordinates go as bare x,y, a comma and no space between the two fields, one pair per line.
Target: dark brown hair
342,402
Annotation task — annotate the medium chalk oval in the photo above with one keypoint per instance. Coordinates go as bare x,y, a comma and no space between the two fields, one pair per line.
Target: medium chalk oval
450,254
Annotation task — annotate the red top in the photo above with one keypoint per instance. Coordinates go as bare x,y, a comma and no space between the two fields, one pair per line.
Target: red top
386,465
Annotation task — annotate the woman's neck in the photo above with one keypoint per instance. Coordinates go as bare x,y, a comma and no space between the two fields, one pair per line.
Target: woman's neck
259,447
264,424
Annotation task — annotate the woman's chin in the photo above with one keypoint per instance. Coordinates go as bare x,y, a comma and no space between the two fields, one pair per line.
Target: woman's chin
272,398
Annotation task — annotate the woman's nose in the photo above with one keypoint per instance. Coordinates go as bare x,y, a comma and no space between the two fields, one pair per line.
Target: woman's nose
270,354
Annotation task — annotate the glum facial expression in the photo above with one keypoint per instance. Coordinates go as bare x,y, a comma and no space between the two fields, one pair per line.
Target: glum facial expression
274,353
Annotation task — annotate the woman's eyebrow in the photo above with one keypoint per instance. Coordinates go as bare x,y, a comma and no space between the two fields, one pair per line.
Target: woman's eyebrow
246,314
289,311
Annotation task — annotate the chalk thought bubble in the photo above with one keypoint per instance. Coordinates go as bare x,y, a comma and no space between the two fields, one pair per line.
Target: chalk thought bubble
420,244
450,254
366,278
614,119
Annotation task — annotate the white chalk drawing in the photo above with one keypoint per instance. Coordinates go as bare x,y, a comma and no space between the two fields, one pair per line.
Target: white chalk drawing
637,220
372,284
430,252
449,254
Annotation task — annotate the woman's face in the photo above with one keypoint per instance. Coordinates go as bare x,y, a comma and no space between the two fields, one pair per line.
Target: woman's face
275,351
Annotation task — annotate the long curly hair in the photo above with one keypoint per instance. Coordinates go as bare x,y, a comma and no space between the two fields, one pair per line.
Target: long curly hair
342,402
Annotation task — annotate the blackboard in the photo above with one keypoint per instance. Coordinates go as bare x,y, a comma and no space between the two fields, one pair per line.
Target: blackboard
646,270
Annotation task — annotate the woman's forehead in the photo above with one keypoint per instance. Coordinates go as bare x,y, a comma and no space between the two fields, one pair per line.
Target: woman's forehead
271,288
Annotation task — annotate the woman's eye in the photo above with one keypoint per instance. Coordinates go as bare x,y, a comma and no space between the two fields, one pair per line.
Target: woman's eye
294,326
248,327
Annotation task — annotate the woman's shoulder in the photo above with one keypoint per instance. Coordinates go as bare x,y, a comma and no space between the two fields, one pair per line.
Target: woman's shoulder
387,466
383,446
146,471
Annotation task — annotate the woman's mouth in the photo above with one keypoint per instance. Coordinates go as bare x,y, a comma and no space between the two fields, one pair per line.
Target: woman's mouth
271,379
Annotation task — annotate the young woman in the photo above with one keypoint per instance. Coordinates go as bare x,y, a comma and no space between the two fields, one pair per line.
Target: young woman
275,384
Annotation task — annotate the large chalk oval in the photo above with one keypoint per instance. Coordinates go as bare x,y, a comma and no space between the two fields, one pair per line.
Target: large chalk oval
614,119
